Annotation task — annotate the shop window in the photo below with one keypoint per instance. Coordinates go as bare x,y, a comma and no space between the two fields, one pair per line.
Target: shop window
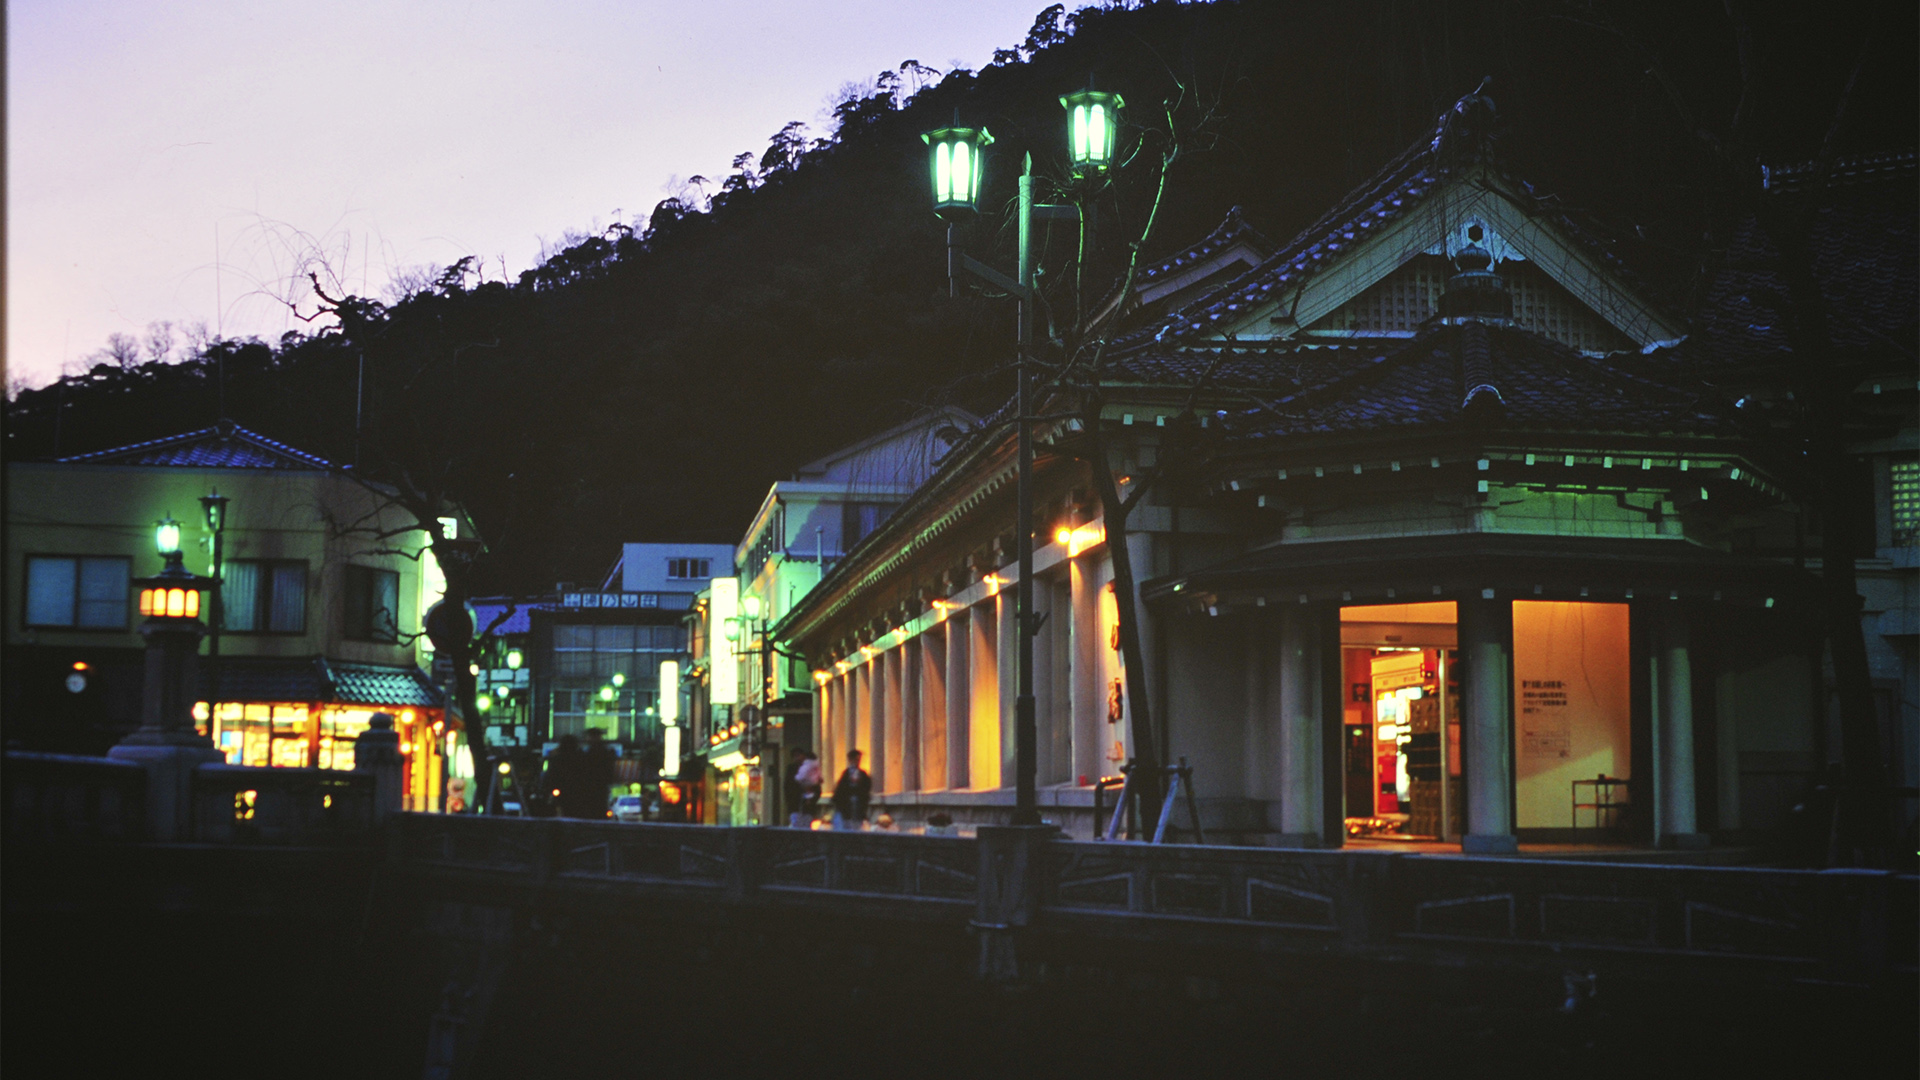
265,597
373,604
1906,502
78,592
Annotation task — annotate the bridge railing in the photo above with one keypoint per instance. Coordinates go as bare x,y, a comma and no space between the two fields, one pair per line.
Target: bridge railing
251,805
1829,924
67,797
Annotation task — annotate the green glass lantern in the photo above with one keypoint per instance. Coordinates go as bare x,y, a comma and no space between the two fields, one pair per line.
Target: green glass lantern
514,659
606,693
166,536
619,678
750,605
955,166
1093,120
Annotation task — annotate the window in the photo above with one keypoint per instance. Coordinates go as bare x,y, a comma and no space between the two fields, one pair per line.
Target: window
264,597
1906,501
688,569
84,593
373,604
859,519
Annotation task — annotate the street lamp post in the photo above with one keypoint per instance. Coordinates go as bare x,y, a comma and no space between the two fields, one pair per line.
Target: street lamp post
956,166
214,506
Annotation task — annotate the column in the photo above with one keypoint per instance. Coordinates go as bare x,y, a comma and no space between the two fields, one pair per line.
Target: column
1486,724
909,743
858,709
1302,791
1675,820
959,686
877,741
983,697
1088,690
1046,763
933,708
1008,641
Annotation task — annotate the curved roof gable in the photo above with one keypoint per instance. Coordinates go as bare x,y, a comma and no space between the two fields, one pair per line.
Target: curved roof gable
1424,201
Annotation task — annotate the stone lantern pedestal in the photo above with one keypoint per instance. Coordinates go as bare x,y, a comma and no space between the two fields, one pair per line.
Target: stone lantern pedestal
166,743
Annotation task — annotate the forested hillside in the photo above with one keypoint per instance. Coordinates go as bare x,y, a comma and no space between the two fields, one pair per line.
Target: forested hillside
648,383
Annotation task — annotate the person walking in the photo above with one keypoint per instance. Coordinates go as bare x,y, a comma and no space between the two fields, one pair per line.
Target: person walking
852,794
804,787
597,775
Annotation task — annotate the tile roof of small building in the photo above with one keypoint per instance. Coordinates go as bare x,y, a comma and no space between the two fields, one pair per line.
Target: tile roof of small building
316,679
503,617
1488,373
226,445
371,684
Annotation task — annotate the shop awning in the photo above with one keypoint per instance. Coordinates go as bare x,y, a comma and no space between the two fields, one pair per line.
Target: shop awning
316,679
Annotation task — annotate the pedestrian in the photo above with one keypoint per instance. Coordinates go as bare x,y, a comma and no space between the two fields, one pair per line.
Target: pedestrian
804,786
598,771
565,776
852,794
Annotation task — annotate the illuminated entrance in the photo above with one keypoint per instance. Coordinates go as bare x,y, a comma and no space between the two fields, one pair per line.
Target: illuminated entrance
1404,758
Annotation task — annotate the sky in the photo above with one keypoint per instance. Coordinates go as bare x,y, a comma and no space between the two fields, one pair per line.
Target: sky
190,161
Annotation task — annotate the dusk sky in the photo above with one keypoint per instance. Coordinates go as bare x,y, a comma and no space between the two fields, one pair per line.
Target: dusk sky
365,139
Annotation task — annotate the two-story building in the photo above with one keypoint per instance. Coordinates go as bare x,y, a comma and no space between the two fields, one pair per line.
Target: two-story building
318,625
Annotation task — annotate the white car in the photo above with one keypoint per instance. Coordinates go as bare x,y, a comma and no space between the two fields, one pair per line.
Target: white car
628,808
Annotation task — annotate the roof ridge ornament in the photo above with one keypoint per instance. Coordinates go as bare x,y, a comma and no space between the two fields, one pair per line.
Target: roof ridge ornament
1464,133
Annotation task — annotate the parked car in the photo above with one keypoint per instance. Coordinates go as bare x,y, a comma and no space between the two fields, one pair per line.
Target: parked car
628,808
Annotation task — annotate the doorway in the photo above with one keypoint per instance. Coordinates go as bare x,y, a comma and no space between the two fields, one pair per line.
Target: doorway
1401,729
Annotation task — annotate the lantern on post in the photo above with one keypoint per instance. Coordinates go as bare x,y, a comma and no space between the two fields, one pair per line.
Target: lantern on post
955,169
1092,124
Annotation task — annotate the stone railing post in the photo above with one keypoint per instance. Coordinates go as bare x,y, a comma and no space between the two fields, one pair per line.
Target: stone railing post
166,743
1012,883
377,750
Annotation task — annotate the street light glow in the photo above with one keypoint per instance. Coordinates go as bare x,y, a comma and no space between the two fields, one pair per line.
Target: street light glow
955,163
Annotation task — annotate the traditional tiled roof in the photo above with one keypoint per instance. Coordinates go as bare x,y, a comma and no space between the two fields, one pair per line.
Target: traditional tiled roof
1461,137
1866,256
370,684
316,679
1275,366
1232,230
1489,374
226,445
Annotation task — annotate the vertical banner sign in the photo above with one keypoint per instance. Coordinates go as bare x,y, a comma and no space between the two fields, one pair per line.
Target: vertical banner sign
669,692
723,609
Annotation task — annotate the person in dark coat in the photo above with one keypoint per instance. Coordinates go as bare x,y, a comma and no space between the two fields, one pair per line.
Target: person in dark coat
565,776
852,794
597,775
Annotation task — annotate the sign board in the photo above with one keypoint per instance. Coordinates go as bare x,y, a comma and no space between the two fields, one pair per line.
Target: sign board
609,600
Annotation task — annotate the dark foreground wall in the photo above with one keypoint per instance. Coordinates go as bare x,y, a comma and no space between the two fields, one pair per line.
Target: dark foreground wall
211,962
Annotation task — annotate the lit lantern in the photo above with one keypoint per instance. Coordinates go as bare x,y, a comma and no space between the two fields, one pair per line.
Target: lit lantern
166,537
484,703
955,165
750,606
1092,126
619,678
606,693
514,659
164,602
